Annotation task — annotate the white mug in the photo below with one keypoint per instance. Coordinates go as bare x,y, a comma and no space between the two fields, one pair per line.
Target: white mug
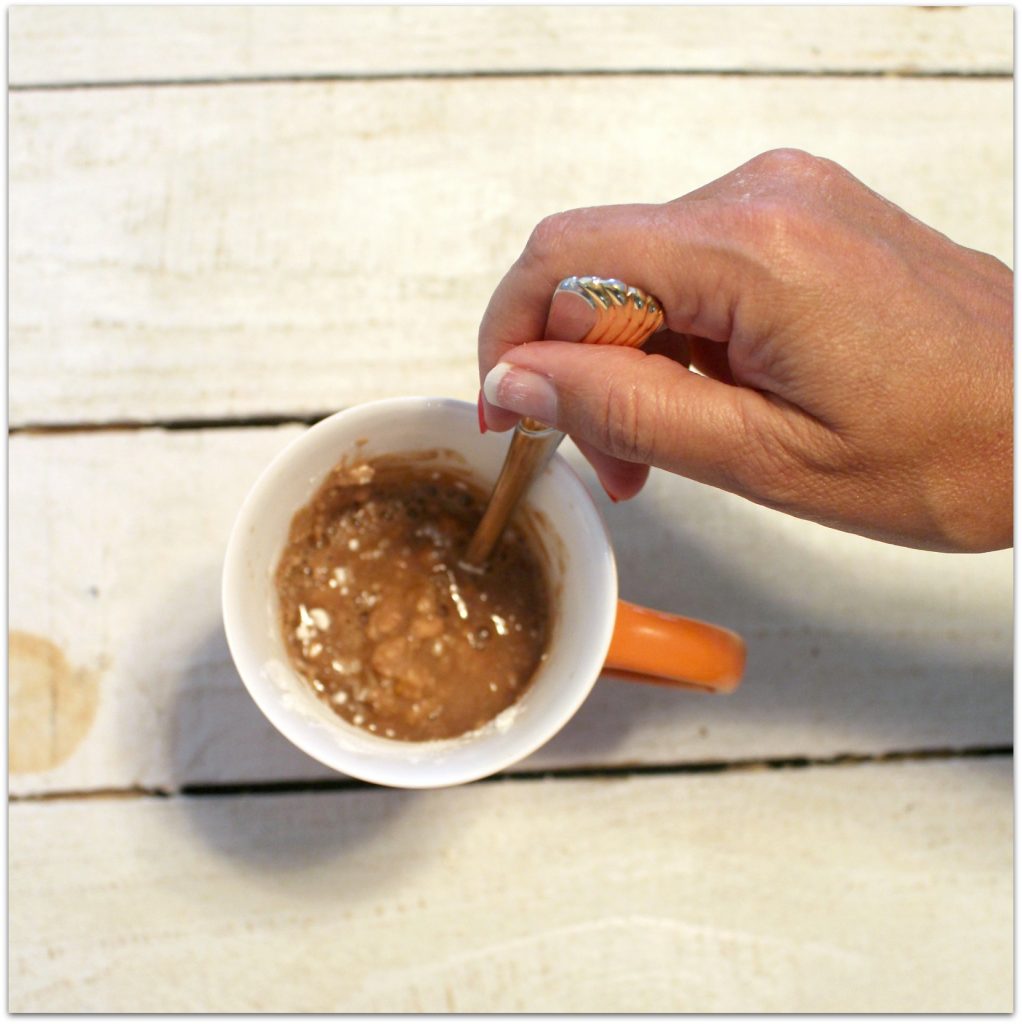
591,629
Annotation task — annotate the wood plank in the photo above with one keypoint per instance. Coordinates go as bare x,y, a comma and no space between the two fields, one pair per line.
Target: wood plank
55,44
233,251
881,888
116,544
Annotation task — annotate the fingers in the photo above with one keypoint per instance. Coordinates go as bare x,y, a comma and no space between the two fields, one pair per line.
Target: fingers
492,417
708,257
570,318
676,253
702,255
639,408
620,479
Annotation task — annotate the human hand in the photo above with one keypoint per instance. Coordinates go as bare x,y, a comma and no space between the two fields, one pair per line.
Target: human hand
855,365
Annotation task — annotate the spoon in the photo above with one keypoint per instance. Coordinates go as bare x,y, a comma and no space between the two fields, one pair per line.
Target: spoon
624,316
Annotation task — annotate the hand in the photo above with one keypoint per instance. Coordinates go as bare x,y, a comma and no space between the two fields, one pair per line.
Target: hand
855,365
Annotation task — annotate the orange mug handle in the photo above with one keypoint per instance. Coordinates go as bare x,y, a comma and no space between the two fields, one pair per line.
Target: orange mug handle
655,647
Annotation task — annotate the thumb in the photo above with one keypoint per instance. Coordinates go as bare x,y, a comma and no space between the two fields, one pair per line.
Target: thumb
634,405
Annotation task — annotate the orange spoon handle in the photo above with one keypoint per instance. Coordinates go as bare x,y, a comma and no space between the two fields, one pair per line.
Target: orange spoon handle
655,647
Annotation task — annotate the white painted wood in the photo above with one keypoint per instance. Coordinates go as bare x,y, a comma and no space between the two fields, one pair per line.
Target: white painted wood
874,888
218,251
116,544
258,249
110,44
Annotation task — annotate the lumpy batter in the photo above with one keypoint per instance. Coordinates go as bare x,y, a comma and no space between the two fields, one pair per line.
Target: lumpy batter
382,621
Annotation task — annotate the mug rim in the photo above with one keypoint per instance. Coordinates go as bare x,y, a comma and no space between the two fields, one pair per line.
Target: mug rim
288,722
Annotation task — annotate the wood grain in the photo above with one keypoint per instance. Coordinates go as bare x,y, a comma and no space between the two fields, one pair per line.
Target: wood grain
241,250
116,545
51,45
881,888
294,248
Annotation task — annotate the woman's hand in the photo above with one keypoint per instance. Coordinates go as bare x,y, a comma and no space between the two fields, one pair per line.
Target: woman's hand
855,365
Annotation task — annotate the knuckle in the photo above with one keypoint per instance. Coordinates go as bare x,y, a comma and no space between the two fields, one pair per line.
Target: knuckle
794,165
549,237
625,428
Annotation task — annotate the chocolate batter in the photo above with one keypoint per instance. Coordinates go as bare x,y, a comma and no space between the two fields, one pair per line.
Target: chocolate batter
382,621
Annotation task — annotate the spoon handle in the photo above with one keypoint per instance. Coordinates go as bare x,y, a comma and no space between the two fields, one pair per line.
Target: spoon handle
624,316
529,452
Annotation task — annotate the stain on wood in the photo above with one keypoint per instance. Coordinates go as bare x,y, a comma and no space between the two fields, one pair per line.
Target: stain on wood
52,703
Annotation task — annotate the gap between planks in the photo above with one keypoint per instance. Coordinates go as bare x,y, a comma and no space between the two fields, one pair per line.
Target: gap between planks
276,788
403,76
183,423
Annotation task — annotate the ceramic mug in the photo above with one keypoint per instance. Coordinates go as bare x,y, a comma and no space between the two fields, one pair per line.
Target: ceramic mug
591,629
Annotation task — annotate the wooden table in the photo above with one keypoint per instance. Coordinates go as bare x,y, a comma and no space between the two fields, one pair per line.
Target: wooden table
227,222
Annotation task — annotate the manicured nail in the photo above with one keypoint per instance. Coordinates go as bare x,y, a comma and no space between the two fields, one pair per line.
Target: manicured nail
606,490
522,391
482,415
570,317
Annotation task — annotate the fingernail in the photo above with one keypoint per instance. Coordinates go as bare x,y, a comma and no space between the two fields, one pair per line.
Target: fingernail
482,415
606,490
521,391
570,317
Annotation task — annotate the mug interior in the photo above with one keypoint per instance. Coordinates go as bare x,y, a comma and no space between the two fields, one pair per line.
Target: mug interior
580,571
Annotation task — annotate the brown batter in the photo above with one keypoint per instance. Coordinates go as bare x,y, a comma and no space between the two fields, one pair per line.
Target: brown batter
384,623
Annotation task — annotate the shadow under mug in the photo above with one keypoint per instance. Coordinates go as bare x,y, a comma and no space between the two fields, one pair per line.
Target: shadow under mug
591,631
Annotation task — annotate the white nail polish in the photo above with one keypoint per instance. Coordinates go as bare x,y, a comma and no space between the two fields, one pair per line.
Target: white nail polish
522,391
491,383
